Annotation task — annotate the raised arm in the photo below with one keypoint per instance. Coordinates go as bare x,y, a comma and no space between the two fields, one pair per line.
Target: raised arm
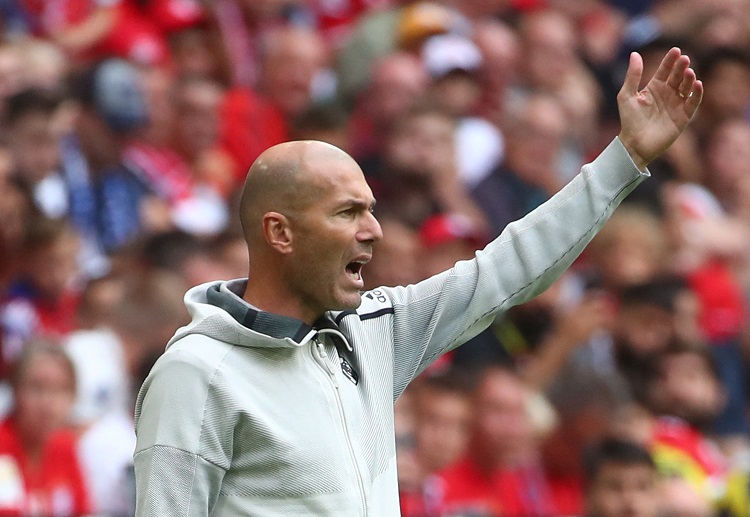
446,310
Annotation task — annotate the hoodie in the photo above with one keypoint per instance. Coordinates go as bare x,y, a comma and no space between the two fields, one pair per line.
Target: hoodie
249,413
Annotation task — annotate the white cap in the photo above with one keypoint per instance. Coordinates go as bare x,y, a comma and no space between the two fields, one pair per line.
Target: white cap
449,52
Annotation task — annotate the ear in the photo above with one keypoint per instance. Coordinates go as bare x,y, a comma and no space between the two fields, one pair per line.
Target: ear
278,232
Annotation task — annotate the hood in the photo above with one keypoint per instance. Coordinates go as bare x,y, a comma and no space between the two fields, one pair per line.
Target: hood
218,311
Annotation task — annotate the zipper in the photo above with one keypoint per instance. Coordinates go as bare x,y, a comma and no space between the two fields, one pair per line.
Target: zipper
322,359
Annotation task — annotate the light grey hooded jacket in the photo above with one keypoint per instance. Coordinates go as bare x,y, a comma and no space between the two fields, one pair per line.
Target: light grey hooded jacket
253,414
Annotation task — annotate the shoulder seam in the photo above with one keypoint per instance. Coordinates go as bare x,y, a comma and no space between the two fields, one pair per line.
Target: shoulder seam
159,446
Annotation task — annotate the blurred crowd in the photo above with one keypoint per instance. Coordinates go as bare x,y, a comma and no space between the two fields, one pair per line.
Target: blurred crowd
127,128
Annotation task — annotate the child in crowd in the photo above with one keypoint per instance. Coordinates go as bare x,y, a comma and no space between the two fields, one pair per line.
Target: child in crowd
41,474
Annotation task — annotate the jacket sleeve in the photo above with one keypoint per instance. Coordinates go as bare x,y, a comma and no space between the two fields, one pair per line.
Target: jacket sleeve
446,310
182,449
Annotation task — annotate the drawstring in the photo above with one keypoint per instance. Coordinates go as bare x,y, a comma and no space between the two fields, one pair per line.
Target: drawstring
339,335
322,357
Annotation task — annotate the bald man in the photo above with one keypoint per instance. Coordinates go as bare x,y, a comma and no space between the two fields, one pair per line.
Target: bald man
277,399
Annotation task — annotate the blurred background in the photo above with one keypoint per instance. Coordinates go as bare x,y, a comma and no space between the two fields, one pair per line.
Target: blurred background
127,128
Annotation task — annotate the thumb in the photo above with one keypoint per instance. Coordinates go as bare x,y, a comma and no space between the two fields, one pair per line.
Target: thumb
633,75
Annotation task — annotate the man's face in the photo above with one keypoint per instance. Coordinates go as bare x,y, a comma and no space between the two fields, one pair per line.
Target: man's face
332,238
443,429
623,491
644,329
501,418
294,60
34,146
53,267
688,389
424,144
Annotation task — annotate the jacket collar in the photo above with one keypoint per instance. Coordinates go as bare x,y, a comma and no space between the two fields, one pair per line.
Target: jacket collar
227,296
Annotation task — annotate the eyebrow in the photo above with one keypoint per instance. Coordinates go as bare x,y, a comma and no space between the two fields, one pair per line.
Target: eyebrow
356,203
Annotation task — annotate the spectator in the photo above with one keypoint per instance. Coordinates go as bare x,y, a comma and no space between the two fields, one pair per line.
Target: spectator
501,55
727,78
630,249
195,132
621,481
454,63
34,147
103,418
196,54
231,251
109,200
292,59
552,65
562,333
686,395
191,205
584,403
397,81
651,316
502,472
99,299
42,475
692,212
293,65
443,415
527,176
419,176
44,299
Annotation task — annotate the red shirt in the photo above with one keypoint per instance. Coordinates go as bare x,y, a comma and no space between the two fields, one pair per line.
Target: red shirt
722,302
249,126
54,489
519,492
133,35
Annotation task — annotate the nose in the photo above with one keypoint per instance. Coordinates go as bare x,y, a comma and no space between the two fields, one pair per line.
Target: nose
371,230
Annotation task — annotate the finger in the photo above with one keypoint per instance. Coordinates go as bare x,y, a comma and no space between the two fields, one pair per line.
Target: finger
686,86
694,99
678,71
633,74
667,63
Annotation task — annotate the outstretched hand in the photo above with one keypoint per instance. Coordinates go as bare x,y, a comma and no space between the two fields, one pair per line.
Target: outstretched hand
652,118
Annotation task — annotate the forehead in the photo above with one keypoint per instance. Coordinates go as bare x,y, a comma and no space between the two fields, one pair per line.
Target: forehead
611,470
339,178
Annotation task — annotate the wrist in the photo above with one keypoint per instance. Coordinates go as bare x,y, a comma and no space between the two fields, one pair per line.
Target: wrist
639,161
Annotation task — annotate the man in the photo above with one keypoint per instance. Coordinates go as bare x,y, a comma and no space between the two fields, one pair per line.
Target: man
278,398
622,481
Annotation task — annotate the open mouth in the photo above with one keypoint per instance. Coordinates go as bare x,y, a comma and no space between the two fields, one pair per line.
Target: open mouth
355,269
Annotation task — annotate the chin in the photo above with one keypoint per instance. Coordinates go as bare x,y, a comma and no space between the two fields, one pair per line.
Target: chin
349,303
